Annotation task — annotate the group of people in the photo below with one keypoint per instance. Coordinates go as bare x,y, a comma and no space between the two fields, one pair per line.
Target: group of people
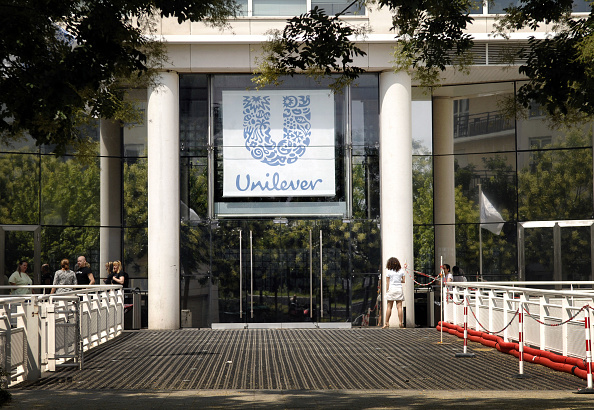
454,275
82,275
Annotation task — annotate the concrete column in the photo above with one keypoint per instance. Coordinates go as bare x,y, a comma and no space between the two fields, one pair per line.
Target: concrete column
163,203
444,198
396,202
111,195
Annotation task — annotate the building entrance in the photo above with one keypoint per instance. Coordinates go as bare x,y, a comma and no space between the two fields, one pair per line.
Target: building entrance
280,271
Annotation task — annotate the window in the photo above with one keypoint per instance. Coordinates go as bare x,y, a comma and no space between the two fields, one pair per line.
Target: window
337,6
286,8
498,6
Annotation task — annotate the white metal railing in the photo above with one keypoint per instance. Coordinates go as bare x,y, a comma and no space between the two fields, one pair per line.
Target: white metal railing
553,318
43,331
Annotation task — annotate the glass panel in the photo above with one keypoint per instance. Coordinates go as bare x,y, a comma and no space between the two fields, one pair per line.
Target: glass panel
497,6
338,6
365,113
19,187
135,134
480,125
422,131
366,185
496,173
135,256
194,189
499,252
69,191
88,131
364,258
25,144
581,6
199,293
422,189
538,253
576,254
18,246
278,8
135,192
193,113
555,184
477,7
243,7
424,252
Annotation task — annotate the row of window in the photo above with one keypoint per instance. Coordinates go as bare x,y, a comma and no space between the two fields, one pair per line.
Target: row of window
268,8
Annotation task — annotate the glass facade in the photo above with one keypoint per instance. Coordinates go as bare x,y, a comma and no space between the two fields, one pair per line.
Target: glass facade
265,261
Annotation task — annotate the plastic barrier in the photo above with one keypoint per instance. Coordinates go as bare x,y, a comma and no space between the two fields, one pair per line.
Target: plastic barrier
552,360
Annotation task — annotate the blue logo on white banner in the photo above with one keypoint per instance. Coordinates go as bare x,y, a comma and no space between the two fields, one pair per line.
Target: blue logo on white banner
278,143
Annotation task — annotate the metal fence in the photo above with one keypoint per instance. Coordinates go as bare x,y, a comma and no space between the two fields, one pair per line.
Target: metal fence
42,332
553,318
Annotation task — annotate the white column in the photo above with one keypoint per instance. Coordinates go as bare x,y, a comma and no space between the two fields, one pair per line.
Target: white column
111,195
163,203
444,202
396,182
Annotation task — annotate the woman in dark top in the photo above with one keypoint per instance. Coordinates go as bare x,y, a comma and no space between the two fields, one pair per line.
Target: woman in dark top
119,276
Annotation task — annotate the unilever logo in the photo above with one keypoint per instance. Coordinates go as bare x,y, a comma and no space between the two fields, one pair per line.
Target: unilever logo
296,129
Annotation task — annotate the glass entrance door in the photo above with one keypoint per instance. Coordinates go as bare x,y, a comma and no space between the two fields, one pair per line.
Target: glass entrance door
281,270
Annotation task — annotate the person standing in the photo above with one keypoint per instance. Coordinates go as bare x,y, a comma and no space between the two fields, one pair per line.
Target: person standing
119,276
458,274
64,276
20,277
448,274
394,292
84,276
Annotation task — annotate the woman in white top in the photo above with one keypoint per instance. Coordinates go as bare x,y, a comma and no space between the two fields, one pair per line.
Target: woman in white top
20,277
394,280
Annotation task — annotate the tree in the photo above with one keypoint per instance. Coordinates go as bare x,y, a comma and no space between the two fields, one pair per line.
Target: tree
431,36
65,62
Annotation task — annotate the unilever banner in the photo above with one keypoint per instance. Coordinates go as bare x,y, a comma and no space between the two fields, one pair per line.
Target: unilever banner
278,143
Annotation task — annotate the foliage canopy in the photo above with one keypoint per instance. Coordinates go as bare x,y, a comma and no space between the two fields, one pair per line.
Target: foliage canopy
64,61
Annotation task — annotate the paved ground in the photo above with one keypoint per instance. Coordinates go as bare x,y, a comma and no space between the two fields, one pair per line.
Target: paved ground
298,368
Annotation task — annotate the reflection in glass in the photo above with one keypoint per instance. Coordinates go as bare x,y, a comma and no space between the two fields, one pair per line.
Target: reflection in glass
19,189
70,242
538,254
365,180
278,8
135,255
19,246
422,189
576,255
424,251
193,114
135,195
555,184
69,191
332,7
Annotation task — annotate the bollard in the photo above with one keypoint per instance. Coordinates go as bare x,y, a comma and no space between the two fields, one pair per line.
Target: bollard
465,352
588,389
521,374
